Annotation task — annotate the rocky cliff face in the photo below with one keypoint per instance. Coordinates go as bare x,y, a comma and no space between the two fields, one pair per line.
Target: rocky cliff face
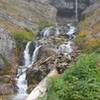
7,44
66,8
15,15
24,13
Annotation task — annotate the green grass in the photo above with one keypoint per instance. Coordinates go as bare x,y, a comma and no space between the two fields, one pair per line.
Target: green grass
24,36
80,82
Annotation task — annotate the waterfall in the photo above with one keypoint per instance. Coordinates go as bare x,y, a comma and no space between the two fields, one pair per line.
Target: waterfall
27,55
21,75
30,59
35,53
31,53
21,80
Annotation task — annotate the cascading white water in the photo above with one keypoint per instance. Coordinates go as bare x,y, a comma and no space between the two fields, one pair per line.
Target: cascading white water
34,56
66,49
57,31
45,33
71,31
21,75
35,53
27,58
21,80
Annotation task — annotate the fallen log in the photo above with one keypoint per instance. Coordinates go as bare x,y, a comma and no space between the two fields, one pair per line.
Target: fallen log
41,88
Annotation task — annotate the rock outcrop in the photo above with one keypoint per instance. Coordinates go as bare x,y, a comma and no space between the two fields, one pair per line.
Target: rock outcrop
7,65
7,45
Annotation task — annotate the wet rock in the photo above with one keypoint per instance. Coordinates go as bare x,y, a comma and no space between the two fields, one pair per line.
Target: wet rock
6,89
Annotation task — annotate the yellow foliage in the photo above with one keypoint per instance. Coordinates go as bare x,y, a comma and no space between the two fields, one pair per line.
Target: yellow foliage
83,33
92,43
96,28
89,29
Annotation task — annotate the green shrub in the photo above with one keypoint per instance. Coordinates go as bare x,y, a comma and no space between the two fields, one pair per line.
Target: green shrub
22,37
80,82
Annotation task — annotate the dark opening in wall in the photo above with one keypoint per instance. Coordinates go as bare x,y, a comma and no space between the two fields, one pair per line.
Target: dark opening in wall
64,12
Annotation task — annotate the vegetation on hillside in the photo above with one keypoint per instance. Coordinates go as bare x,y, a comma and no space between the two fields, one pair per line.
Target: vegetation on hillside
89,35
80,82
